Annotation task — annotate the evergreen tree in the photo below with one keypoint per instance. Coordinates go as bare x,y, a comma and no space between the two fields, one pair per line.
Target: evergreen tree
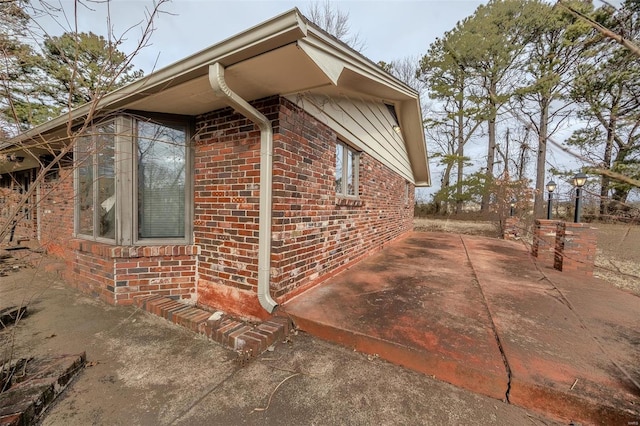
444,72
551,57
607,91
83,67
496,35
21,77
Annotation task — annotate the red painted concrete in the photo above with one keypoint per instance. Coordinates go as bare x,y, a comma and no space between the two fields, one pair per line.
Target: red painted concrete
411,304
436,302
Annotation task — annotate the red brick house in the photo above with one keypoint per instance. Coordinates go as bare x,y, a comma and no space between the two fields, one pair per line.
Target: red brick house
235,178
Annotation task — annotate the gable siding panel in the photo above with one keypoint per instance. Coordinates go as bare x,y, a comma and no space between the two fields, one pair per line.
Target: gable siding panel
367,125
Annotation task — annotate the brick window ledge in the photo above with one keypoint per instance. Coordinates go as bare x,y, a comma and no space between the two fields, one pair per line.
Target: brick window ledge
350,202
127,252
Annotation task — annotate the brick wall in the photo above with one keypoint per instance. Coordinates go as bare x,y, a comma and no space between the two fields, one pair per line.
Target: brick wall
544,241
511,228
314,234
118,274
56,210
226,209
575,248
11,194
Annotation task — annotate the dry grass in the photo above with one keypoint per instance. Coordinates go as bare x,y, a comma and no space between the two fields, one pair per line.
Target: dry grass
618,255
467,227
617,258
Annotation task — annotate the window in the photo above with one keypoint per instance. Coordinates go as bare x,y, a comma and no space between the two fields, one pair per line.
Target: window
131,182
406,193
161,161
347,162
95,183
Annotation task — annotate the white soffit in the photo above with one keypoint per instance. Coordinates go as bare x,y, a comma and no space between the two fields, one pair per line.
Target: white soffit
283,70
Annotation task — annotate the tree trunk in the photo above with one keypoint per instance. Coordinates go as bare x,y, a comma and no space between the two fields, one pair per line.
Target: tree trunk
460,155
506,154
491,150
604,181
621,192
541,163
446,183
522,158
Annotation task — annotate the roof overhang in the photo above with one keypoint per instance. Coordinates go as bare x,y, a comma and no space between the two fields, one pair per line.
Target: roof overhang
283,56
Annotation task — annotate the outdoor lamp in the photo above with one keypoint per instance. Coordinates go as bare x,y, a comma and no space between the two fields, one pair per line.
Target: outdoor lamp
551,186
513,206
578,181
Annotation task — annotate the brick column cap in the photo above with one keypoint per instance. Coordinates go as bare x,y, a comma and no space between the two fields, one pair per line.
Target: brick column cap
578,225
547,221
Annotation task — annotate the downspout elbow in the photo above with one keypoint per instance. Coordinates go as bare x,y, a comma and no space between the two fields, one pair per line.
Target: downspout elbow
220,88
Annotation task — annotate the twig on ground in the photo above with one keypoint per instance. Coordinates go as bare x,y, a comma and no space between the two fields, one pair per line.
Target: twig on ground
274,391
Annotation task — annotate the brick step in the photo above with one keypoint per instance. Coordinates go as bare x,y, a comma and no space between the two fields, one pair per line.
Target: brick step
249,340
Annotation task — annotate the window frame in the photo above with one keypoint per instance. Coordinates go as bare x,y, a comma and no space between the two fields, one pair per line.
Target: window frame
90,131
188,185
406,193
346,150
126,181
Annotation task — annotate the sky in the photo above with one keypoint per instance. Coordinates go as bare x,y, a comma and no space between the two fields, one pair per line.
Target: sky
391,29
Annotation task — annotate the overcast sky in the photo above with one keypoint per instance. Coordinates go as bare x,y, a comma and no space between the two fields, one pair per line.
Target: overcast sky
391,29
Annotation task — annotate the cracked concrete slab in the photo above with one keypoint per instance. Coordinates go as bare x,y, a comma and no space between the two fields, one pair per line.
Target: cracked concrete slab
478,313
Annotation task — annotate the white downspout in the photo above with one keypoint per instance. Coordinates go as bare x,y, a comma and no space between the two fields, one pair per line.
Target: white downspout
216,79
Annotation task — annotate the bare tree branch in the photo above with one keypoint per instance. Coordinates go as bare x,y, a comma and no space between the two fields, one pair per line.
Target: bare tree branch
602,30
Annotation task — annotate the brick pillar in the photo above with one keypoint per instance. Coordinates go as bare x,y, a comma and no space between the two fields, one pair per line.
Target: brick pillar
575,248
511,229
544,241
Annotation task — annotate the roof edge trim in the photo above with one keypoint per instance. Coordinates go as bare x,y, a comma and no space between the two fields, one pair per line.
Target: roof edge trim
290,26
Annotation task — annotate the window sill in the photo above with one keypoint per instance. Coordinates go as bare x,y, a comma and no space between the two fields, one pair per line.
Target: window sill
126,252
350,202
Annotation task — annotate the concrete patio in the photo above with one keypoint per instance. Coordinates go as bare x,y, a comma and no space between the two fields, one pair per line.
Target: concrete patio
480,314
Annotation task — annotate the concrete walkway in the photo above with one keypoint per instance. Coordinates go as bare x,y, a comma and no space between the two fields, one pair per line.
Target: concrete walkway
480,314
144,370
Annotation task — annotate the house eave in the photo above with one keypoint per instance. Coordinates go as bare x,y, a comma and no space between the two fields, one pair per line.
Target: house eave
261,61
281,30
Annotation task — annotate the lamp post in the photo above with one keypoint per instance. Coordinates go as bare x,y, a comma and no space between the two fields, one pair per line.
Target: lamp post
578,181
551,186
512,204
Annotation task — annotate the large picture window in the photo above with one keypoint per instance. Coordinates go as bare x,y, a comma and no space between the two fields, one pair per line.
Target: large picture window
161,161
132,182
346,171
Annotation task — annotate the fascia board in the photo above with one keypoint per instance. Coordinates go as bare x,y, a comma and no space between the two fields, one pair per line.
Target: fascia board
411,125
356,61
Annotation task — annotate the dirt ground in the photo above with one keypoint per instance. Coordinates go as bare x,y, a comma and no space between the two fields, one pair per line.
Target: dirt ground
617,257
